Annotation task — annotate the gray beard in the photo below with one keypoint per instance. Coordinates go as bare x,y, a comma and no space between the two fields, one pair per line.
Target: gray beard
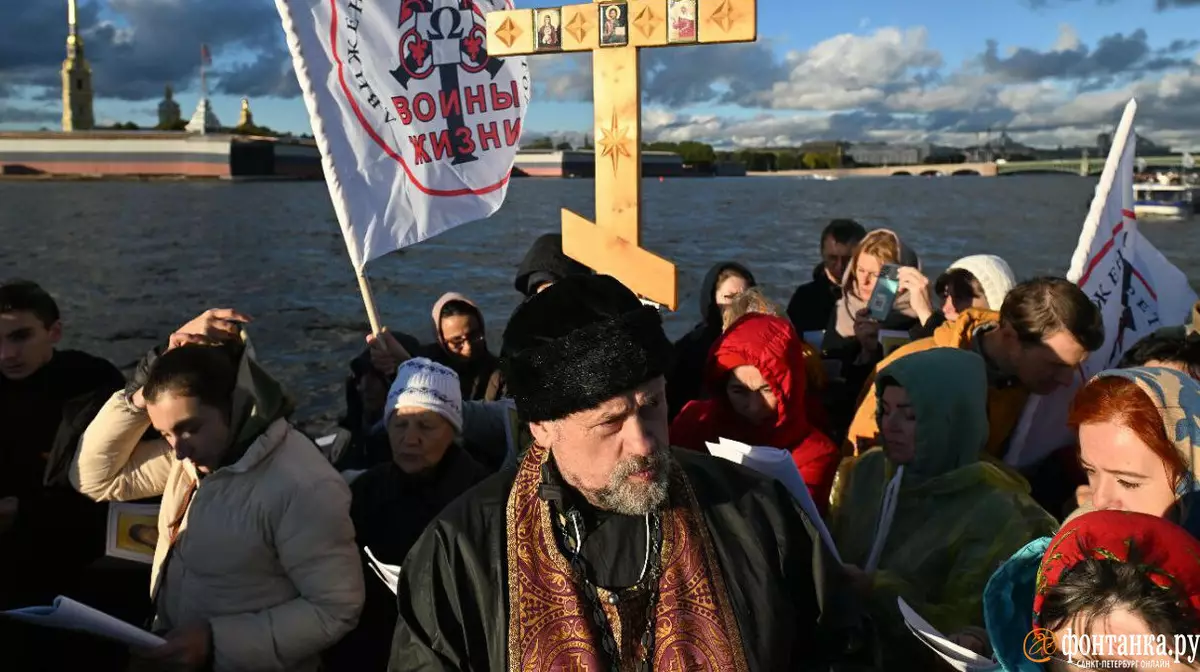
631,498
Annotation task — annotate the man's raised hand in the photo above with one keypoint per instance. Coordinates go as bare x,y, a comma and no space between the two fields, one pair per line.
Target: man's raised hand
215,324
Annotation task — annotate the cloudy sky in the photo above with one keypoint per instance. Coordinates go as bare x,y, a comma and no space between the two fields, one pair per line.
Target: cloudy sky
1048,71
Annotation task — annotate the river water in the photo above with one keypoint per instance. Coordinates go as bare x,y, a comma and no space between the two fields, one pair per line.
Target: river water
129,261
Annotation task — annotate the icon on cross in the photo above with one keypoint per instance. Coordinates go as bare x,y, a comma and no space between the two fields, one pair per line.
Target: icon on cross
613,245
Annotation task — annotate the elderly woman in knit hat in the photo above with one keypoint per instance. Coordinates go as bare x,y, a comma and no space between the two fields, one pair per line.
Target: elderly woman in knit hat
393,502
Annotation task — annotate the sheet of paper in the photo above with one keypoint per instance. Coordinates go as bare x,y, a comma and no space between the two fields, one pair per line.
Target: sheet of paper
777,464
958,657
67,614
389,574
132,531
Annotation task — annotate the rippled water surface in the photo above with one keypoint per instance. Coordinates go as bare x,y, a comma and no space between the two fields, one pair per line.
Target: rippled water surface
129,261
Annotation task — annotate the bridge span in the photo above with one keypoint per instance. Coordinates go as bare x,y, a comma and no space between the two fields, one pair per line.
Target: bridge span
1083,166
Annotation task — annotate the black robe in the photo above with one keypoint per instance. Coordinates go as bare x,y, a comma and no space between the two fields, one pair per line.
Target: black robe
790,598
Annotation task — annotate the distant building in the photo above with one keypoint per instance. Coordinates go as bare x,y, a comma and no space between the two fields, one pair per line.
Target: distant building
582,163
828,147
884,154
168,110
204,120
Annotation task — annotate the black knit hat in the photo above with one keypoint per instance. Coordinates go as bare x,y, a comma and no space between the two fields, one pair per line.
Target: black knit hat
584,340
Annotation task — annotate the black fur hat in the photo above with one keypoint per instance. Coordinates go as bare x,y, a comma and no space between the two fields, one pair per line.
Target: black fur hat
580,342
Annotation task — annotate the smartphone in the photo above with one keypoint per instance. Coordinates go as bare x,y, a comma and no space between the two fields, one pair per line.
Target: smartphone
884,294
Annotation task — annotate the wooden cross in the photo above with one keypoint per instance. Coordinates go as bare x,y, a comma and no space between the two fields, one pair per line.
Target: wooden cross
613,245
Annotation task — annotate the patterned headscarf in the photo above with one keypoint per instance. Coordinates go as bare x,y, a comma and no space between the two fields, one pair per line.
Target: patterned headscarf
1169,556
1177,398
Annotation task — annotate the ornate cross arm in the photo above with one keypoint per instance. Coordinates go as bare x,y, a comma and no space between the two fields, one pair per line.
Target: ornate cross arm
614,31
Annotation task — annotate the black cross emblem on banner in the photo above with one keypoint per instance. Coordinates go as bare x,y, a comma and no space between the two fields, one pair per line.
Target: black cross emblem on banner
456,28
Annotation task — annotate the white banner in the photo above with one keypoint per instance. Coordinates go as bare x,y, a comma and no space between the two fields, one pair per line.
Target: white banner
418,127
1136,288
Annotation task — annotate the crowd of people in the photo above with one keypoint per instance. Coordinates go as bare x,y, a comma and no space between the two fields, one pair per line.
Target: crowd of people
554,506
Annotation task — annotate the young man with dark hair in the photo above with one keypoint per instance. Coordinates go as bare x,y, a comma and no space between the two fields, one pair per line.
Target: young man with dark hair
1043,332
812,303
48,532
255,566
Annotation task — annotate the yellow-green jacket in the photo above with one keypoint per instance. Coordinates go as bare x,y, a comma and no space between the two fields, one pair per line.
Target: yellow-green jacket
957,518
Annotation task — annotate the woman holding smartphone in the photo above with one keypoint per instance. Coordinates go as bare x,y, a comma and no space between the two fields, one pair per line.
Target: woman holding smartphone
852,336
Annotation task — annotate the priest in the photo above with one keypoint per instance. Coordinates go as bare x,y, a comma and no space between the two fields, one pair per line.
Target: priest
604,549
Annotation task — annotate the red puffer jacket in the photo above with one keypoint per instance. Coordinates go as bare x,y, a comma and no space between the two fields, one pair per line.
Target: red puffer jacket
771,345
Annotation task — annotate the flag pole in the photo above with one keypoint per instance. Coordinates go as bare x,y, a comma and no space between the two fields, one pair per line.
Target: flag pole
364,286
337,196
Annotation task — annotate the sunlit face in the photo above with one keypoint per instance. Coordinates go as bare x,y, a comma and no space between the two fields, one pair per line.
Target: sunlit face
419,438
196,432
866,274
1123,472
751,395
1050,365
952,307
615,454
835,257
462,335
1120,625
729,289
898,422
26,344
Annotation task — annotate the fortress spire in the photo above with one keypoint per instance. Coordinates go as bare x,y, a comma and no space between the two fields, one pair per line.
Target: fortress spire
76,80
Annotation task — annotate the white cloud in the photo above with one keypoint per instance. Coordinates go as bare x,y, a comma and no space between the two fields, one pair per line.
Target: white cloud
847,71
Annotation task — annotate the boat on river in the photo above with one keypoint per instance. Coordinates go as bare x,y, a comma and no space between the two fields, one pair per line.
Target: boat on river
1151,199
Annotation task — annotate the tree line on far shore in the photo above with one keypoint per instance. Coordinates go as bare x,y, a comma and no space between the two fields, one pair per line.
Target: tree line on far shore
703,157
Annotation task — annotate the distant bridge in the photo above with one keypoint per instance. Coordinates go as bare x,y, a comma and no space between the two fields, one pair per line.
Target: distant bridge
1088,166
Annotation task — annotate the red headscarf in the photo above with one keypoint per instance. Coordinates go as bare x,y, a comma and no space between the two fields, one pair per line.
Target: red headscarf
771,345
1169,555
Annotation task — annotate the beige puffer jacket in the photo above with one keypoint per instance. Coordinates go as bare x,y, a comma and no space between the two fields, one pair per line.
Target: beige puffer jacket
265,552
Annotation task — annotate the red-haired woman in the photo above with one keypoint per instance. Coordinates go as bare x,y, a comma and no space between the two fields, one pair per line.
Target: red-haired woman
1138,430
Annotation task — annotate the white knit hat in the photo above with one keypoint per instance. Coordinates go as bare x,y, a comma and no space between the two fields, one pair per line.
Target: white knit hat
993,274
423,383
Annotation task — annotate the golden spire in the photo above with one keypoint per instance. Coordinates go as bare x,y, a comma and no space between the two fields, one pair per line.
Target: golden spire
76,79
246,118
